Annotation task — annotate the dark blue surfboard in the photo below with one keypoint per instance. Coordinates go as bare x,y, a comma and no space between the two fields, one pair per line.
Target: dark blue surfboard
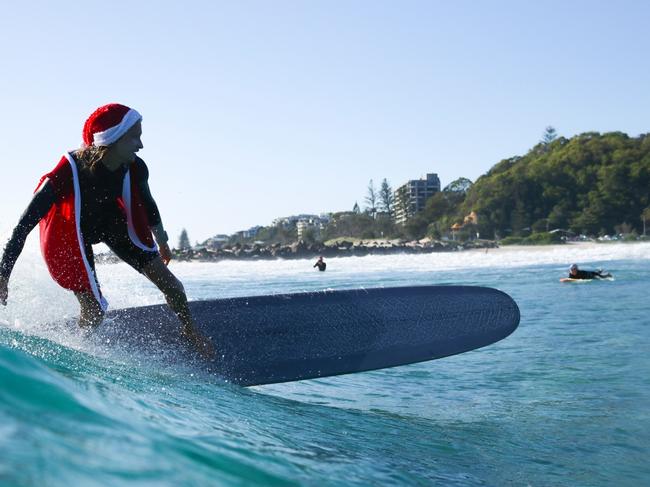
289,337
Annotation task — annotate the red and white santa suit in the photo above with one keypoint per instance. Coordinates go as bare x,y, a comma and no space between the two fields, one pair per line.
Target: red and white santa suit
62,241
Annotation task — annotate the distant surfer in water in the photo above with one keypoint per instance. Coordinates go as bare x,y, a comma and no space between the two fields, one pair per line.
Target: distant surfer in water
320,263
575,273
100,193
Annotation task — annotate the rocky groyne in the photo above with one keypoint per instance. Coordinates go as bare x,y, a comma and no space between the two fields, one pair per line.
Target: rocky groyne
343,248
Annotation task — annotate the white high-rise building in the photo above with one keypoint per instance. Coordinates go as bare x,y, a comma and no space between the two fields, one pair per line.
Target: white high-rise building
411,198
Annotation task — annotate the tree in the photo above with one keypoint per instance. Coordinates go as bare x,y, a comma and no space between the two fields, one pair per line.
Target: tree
386,198
309,235
277,234
645,216
371,199
460,185
550,134
350,225
355,208
184,241
588,184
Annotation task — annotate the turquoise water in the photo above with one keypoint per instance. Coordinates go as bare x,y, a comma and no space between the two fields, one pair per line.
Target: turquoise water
562,401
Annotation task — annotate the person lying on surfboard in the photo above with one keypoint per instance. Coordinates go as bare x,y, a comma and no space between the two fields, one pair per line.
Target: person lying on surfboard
575,273
100,193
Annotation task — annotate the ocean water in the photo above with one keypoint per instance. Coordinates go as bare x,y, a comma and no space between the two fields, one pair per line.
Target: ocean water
562,401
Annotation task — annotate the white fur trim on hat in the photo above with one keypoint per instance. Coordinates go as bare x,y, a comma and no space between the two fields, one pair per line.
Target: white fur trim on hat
108,136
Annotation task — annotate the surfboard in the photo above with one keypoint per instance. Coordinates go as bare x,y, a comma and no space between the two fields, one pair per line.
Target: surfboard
570,279
290,337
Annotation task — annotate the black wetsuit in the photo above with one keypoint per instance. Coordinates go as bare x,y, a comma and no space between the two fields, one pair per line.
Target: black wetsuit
587,275
321,265
101,219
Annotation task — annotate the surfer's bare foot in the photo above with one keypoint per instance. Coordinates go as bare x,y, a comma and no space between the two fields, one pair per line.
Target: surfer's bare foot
199,342
91,313
90,323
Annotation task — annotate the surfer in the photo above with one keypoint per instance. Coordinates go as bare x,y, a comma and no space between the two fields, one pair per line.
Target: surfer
320,263
575,273
100,193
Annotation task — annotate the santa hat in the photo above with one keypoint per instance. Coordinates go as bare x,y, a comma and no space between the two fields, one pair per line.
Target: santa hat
109,123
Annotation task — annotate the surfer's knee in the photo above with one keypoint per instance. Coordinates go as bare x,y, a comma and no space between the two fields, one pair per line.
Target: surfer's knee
162,277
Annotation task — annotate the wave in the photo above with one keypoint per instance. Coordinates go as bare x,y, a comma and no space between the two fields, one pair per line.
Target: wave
76,410
74,419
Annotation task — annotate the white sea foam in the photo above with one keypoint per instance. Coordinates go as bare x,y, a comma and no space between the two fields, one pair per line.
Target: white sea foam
506,257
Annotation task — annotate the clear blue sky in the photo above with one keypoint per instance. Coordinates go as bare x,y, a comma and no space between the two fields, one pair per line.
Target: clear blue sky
260,109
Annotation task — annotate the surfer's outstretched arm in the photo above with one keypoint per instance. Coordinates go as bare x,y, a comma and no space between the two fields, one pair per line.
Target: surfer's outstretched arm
41,203
155,221
172,288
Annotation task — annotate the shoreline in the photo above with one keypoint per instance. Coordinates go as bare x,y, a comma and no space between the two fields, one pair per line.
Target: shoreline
344,248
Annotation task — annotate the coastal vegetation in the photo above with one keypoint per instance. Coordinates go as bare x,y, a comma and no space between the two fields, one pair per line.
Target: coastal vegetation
591,184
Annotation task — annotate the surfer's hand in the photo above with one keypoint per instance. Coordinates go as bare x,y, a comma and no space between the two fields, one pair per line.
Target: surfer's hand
4,290
165,253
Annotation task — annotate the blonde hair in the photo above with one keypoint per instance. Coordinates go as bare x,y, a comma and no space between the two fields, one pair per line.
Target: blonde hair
90,156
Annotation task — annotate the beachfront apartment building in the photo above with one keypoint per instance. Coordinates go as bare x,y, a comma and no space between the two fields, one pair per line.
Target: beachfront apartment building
305,226
312,224
303,220
217,241
410,198
250,233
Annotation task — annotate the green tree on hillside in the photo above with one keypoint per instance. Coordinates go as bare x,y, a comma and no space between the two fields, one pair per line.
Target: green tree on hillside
550,134
460,185
588,184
